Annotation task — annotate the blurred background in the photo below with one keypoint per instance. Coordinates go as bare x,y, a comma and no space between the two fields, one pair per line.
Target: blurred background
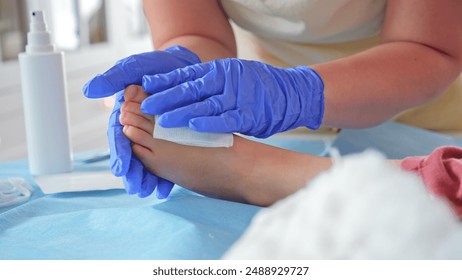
93,34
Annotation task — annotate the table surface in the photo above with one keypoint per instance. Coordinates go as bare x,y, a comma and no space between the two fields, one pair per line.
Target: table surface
113,225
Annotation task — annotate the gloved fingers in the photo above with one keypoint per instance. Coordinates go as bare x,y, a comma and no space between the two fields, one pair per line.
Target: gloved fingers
98,87
149,183
130,70
213,106
119,99
228,122
178,96
142,182
134,177
117,78
160,82
119,145
181,52
164,187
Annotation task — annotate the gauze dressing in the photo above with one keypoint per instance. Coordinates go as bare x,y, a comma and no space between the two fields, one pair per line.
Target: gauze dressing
187,136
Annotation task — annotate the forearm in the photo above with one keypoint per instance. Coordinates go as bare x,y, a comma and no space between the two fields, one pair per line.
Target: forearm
199,25
206,48
420,55
373,86
249,172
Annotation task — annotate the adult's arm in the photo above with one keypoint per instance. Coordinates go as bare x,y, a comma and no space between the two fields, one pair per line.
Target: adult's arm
199,25
420,55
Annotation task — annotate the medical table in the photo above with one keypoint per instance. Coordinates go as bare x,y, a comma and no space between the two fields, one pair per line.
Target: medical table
110,224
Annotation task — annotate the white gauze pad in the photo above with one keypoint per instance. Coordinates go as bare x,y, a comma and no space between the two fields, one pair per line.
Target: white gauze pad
187,136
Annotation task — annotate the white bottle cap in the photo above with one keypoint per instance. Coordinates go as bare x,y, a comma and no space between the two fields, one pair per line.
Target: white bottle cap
38,38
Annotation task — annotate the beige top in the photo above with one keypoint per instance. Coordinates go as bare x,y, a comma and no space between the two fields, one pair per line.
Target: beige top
303,32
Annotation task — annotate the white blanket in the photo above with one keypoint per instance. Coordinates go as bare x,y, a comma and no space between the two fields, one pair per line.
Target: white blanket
362,208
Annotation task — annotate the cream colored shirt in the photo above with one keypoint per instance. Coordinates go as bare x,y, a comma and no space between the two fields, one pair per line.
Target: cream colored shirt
303,32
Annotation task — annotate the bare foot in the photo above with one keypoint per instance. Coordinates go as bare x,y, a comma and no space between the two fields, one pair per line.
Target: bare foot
138,127
187,166
131,114
248,171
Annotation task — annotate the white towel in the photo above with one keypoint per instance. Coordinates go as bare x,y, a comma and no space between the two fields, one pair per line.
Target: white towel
363,208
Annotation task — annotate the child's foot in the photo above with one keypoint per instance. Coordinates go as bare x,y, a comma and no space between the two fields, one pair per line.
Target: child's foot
131,114
138,127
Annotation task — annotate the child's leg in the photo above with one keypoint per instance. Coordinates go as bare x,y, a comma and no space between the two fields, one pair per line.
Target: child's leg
249,171
258,173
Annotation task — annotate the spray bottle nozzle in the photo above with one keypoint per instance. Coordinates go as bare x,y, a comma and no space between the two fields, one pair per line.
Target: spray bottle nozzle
38,14
37,22
38,38
37,17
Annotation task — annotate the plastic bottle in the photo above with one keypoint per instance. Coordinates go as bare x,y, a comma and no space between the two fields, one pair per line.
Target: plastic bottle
44,93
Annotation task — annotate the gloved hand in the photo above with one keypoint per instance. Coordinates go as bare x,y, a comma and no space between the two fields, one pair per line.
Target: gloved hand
137,179
233,95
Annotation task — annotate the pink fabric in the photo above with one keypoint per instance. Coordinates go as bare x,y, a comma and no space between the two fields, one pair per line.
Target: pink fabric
441,172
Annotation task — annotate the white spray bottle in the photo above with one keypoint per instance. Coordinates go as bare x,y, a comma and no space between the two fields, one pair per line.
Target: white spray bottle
43,83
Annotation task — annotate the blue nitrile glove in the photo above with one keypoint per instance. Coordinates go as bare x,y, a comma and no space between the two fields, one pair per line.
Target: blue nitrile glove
233,95
137,179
